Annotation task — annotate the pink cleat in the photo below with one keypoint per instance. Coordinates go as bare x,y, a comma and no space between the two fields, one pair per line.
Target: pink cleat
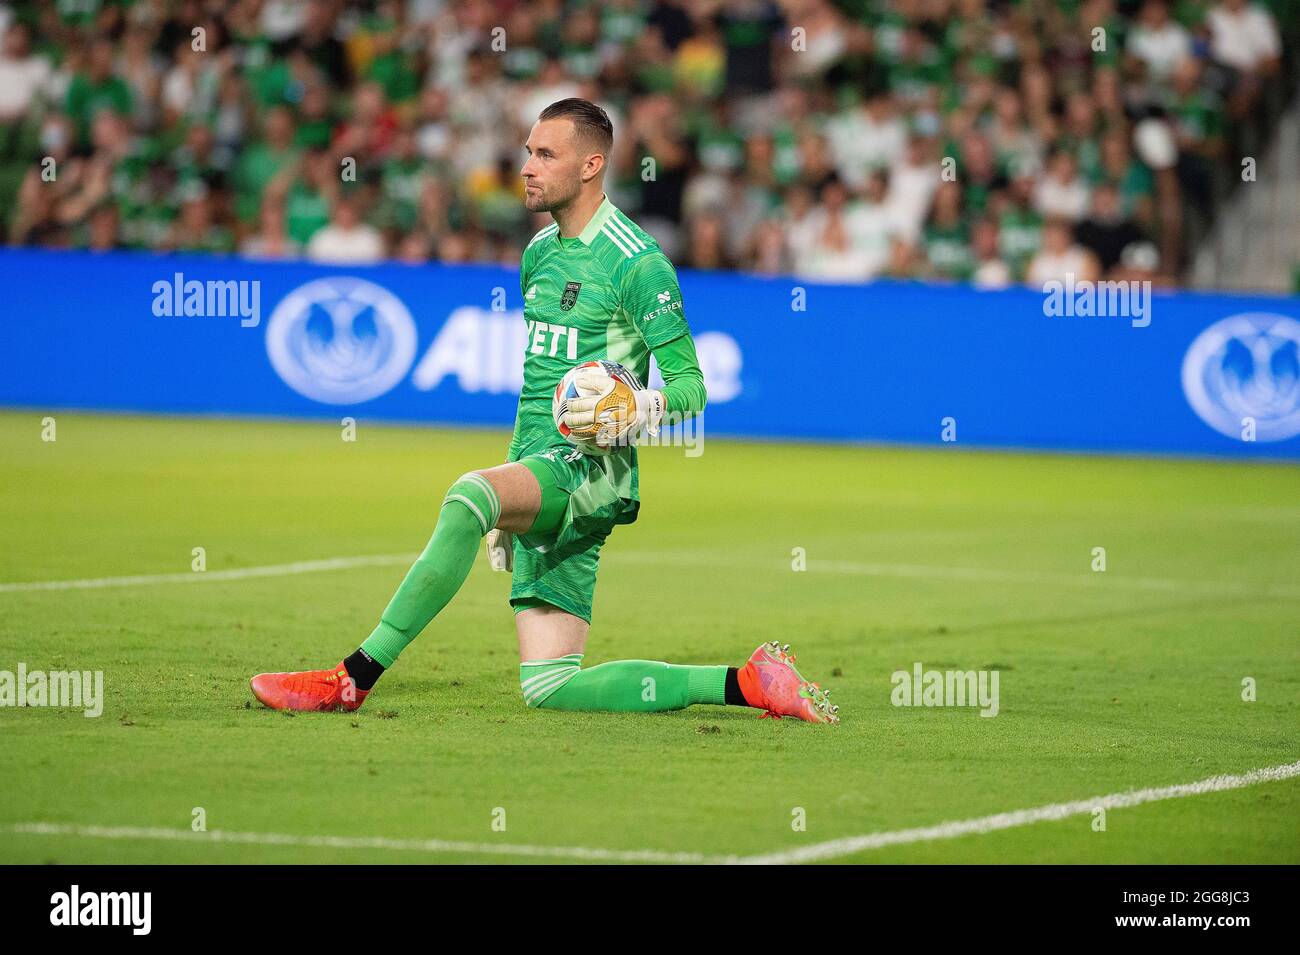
771,683
307,690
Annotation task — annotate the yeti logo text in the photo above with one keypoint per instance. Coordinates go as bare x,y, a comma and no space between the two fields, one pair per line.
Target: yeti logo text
103,908
341,340
537,332
1247,366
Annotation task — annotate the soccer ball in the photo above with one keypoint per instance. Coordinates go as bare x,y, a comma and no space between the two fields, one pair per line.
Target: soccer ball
612,411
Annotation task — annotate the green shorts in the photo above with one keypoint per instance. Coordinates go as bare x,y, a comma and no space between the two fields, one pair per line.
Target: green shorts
584,497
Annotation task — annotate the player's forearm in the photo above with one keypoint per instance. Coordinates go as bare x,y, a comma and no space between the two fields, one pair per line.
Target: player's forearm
683,391
685,396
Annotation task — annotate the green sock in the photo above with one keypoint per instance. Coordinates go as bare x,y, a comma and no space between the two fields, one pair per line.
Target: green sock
469,511
622,686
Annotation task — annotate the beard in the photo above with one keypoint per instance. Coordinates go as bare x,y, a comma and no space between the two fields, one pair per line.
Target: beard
548,200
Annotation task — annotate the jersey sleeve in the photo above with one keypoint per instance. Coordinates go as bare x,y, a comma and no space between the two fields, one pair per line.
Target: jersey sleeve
652,298
523,273
683,389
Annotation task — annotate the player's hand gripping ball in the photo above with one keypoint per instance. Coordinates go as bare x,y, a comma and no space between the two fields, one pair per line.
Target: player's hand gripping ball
601,405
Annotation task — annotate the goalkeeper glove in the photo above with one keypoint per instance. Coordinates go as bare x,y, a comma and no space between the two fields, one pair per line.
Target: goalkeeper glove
610,412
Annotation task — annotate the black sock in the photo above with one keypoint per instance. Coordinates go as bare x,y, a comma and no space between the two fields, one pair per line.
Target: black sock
363,669
734,696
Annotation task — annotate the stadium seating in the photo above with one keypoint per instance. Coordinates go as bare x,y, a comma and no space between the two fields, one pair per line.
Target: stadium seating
933,139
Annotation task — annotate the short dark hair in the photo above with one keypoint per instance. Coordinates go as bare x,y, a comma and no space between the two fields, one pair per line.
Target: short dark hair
589,121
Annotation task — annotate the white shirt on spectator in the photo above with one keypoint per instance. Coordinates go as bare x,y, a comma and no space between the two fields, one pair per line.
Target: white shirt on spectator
1048,266
20,81
802,232
910,190
823,263
822,48
359,245
868,229
1067,200
991,274
281,19
859,144
1161,50
434,139
1244,39
258,247
177,89
872,228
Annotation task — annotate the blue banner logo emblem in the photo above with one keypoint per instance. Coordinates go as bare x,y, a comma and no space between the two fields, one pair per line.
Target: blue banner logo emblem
1247,366
341,340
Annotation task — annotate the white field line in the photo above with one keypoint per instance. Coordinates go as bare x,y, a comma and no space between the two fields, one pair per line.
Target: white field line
1022,817
820,851
1085,578
365,842
1082,579
722,561
198,577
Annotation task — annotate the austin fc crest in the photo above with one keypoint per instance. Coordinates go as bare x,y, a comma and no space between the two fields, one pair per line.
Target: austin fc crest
570,296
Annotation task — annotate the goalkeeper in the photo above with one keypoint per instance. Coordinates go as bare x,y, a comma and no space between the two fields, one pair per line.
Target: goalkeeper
595,286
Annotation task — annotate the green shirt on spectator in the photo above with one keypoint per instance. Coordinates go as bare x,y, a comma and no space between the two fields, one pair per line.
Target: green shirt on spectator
256,167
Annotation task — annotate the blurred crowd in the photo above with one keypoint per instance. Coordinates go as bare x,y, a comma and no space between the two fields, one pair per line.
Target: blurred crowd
991,141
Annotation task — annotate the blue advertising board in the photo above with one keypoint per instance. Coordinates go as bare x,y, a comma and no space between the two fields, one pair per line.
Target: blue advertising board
902,362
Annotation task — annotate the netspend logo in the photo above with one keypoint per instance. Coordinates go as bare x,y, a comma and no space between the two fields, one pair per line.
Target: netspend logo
1242,376
341,340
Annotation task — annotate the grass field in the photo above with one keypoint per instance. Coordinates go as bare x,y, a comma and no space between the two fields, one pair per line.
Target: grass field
1109,681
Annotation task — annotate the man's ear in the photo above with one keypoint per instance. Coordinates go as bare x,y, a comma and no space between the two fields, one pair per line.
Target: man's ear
592,167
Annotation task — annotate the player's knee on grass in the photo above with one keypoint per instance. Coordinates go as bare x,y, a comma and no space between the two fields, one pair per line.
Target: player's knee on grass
538,679
474,492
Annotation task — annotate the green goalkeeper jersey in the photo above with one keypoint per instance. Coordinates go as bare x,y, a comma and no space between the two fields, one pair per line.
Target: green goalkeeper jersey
607,293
